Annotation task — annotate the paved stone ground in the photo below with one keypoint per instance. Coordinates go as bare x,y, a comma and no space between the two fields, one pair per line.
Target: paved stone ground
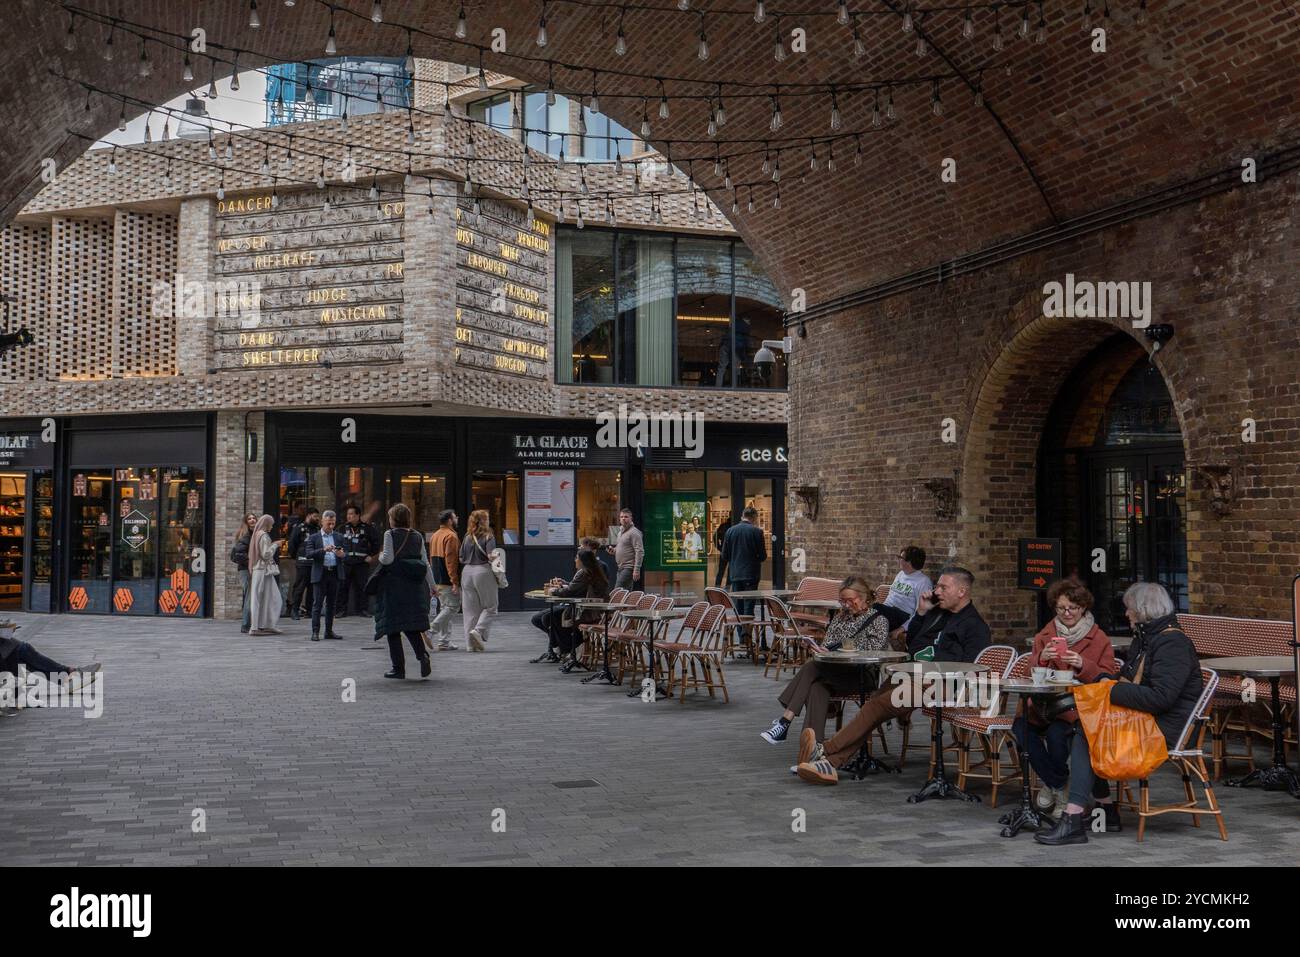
254,731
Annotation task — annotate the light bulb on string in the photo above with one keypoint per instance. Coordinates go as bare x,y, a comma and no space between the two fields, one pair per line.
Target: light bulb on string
146,68
620,41
722,109
749,206
331,42
830,159
683,5
230,149
320,177
908,23
836,119
409,63
221,186
482,76
550,85
778,52
1024,21
712,129
167,128
922,48
776,200
997,30
121,124
1041,35
890,114
968,25
187,70
374,185
265,168
541,28
377,12
1141,13
857,153
112,161
875,110
775,123
859,48
776,169
936,104
979,89
234,76
212,82
842,13
461,30
760,12
767,161
254,21
702,50
645,120
663,102
108,46
812,156
70,38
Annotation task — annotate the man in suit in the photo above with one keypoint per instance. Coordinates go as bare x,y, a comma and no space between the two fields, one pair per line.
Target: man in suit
744,549
325,551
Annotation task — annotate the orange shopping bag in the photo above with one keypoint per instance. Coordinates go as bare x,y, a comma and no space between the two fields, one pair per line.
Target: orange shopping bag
1124,744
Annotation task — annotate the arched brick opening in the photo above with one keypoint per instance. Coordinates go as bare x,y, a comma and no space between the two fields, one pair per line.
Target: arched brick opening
998,486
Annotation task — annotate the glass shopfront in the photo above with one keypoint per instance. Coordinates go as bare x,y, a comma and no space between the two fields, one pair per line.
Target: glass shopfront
26,519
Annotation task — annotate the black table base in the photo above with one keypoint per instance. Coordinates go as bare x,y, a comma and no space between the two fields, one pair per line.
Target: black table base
1025,816
1279,777
939,786
604,674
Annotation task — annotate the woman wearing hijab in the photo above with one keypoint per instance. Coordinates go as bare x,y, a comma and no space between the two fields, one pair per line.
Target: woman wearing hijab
264,600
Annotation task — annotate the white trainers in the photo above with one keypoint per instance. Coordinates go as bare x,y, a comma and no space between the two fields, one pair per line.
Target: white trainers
475,640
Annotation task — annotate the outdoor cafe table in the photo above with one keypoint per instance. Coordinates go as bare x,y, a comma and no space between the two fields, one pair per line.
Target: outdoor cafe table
938,786
862,660
1279,777
654,617
606,608
1027,815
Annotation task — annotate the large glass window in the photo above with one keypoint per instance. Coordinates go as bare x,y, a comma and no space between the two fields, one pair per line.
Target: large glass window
598,502
495,111
604,138
498,493
644,308
585,306
13,521
547,124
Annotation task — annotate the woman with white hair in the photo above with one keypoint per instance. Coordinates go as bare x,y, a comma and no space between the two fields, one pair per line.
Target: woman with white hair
1162,677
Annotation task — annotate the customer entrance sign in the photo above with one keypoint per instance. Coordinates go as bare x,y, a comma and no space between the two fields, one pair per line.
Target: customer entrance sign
1039,562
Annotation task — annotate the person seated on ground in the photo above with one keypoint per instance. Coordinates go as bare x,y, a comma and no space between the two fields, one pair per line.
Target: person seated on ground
589,581
1163,679
946,628
855,626
909,584
14,653
1072,641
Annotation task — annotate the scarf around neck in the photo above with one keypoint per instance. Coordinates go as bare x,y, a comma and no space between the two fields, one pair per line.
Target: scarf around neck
1081,628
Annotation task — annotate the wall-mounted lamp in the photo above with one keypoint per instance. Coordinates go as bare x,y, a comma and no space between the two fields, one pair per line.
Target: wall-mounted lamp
1159,334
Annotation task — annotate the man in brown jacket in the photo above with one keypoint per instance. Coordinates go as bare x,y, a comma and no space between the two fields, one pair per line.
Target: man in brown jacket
444,551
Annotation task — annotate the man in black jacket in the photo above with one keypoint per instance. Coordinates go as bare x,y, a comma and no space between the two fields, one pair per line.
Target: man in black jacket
325,551
945,621
744,549
360,542
300,591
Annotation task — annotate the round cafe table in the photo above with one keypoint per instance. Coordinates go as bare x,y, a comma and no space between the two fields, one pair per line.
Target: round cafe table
655,617
1027,815
540,594
938,786
1278,777
864,763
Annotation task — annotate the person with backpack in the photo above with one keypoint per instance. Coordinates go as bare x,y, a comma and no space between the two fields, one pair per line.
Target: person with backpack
239,555
856,625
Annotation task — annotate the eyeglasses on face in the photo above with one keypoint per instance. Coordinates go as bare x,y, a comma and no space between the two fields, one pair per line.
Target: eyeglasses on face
1068,610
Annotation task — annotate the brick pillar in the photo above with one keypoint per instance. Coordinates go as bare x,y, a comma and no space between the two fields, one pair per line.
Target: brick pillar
237,488
429,279
194,264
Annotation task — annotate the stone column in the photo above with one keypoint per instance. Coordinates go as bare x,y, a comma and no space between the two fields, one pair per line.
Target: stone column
195,248
236,489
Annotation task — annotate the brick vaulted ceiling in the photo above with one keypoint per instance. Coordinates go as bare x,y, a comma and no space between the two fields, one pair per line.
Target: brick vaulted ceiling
1192,89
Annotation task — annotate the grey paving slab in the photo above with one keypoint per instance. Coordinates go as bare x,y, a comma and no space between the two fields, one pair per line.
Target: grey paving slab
255,732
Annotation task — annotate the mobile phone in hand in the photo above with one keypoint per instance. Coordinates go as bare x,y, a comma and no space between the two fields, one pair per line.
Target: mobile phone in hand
1059,648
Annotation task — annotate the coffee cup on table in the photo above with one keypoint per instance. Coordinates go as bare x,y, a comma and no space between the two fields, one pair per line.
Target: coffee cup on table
1063,675
1040,675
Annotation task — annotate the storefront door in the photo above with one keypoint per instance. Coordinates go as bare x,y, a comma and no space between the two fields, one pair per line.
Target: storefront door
1136,517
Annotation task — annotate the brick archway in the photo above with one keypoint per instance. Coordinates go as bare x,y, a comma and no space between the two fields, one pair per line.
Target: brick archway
1009,407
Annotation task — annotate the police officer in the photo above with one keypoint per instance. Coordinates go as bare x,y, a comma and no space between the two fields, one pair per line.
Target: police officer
360,543
300,592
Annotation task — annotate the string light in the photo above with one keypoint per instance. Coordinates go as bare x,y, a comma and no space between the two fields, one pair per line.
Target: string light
254,21
461,30
760,14
663,102
907,18
212,81
703,50
331,42
1024,21
112,161
842,13
997,29
779,51
620,42
968,25
541,28
859,48
70,38
875,110
121,122
775,124
936,104
146,68
377,12
234,76
836,121
1041,35
108,46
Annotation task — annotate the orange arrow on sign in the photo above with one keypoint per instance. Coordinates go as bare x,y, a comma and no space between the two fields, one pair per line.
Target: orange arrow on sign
1040,581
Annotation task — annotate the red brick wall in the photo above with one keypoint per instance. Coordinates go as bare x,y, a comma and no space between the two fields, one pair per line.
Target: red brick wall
871,386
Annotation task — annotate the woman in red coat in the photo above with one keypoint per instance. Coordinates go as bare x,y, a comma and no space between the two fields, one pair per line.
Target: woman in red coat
1071,641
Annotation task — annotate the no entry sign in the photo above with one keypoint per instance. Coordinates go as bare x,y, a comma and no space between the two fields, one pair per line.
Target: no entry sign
1040,562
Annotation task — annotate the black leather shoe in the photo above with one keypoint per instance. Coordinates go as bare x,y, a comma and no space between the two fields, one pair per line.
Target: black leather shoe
330,636
395,674
243,631
426,667
315,637
294,614
1069,829
1113,822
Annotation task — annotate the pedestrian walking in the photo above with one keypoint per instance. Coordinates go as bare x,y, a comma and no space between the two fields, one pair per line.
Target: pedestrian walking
264,601
478,580
444,558
401,585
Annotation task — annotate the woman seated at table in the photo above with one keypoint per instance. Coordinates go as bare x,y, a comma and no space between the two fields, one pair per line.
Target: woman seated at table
1162,679
1072,641
588,581
856,626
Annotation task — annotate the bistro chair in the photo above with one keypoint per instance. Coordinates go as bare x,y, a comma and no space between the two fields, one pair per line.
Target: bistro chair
704,651
665,650
635,643
1188,758
734,623
999,658
622,630
789,646
593,633
816,589
991,732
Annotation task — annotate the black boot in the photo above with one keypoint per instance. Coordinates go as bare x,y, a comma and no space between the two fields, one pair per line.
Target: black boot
294,614
315,636
1070,829
426,667
1113,822
395,674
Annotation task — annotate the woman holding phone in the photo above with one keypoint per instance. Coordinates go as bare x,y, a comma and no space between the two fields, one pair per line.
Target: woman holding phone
1072,641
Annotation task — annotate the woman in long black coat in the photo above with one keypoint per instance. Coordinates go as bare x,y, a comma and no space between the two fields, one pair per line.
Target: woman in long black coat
404,582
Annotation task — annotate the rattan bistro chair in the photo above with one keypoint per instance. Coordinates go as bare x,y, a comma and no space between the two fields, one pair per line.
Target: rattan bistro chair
703,651
999,658
1188,757
790,645
734,623
992,733
622,630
